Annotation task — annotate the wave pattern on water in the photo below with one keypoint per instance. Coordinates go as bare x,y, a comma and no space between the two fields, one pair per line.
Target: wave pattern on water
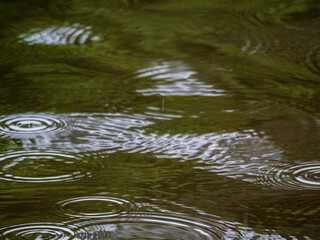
67,34
37,231
136,224
234,155
259,44
299,176
96,207
151,226
31,124
165,225
246,155
176,79
280,29
109,132
158,114
40,167
140,225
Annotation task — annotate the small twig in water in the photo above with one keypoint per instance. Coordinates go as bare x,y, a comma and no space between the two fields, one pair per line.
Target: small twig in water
162,104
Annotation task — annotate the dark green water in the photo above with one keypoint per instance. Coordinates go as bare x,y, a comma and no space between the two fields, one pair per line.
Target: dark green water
149,119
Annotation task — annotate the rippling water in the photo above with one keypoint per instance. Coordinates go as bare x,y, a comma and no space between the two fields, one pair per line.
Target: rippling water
27,167
37,231
103,206
147,225
159,120
305,175
31,124
75,33
182,82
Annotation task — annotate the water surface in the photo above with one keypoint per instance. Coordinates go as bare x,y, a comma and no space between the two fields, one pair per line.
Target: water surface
135,119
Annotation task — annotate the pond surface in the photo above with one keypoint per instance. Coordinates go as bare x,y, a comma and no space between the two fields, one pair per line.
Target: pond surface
149,119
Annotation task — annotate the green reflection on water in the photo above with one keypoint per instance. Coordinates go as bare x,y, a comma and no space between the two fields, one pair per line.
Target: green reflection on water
262,58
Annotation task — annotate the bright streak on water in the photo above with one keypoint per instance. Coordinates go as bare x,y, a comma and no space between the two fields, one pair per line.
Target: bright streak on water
68,34
176,79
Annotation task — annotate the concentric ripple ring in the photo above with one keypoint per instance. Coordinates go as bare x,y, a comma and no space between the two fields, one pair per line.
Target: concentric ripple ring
37,167
304,176
53,231
308,175
96,207
142,225
31,124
